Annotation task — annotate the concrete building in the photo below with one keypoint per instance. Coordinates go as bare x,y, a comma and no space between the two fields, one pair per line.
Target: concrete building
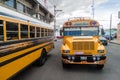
26,9
118,32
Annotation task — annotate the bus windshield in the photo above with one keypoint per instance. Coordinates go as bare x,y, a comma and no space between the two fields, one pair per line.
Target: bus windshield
81,31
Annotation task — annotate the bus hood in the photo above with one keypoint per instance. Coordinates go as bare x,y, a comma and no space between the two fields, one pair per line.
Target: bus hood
86,45
81,38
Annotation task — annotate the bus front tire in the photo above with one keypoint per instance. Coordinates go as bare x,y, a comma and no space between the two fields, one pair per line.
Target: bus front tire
42,59
64,65
100,67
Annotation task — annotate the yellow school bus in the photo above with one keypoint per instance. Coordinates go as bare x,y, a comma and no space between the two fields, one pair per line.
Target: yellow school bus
21,44
81,44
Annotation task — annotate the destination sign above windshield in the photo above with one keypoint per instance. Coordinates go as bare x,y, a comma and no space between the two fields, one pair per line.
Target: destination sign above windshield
81,24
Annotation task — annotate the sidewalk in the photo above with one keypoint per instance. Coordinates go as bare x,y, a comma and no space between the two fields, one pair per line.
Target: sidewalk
115,41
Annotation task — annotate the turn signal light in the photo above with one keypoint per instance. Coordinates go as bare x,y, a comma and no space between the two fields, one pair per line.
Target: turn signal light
66,51
100,51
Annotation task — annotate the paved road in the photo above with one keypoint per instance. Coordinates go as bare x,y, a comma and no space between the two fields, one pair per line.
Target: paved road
52,70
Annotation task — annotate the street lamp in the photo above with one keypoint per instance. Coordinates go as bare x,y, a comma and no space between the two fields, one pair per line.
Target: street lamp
55,12
59,14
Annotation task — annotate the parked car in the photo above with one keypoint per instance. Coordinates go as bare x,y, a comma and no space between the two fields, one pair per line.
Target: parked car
104,41
108,37
55,39
115,35
59,37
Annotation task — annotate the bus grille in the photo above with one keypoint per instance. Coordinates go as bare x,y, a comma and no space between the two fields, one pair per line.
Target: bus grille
83,46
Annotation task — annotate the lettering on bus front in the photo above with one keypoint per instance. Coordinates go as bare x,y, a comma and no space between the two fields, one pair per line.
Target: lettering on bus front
80,24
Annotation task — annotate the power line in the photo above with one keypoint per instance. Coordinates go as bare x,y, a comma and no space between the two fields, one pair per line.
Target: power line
106,20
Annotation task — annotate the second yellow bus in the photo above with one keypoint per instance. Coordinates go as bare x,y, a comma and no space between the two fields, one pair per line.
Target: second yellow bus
21,44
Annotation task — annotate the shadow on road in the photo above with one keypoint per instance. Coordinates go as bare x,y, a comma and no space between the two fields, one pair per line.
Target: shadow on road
82,68
28,70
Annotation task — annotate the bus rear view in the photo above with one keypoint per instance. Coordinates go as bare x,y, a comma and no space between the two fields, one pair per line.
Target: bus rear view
81,44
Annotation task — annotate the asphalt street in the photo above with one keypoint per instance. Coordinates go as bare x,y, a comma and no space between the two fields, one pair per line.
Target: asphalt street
53,70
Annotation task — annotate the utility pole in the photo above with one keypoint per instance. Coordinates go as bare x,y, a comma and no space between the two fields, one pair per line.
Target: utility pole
93,9
102,31
54,20
110,26
55,12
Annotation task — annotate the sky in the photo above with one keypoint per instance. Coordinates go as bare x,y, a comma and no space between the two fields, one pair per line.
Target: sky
82,8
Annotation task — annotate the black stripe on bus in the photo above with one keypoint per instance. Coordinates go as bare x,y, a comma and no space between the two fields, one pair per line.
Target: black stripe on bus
19,41
15,58
19,49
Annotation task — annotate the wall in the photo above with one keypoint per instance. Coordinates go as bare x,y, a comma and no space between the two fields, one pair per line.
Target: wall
118,32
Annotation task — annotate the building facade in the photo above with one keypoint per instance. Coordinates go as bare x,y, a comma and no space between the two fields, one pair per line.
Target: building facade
118,32
31,8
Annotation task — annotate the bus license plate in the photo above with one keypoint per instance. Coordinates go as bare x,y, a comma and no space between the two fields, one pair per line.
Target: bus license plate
83,62
79,52
83,58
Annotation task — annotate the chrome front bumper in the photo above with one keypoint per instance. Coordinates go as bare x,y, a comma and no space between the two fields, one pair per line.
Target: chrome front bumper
83,59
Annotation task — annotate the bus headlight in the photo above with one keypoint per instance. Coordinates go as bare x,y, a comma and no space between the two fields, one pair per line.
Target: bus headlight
100,51
66,51
73,58
94,58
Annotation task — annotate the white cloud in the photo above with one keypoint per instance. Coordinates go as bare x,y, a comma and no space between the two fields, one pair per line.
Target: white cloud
105,19
76,8
73,5
82,8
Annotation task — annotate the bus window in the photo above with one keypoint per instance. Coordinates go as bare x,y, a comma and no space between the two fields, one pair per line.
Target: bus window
51,32
38,31
12,31
45,32
24,31
48,32
1,30
89,31
32,31
72,32
42,32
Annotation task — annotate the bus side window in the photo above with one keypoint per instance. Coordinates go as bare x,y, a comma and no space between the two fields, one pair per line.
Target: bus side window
45,32
48,32
24,31
42,32
12,31
38,31
1,31
51,33
32,31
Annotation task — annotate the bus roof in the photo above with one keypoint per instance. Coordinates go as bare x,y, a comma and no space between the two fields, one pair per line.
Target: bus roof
80,22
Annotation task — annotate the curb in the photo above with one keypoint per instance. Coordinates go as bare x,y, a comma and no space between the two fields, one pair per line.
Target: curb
115,43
